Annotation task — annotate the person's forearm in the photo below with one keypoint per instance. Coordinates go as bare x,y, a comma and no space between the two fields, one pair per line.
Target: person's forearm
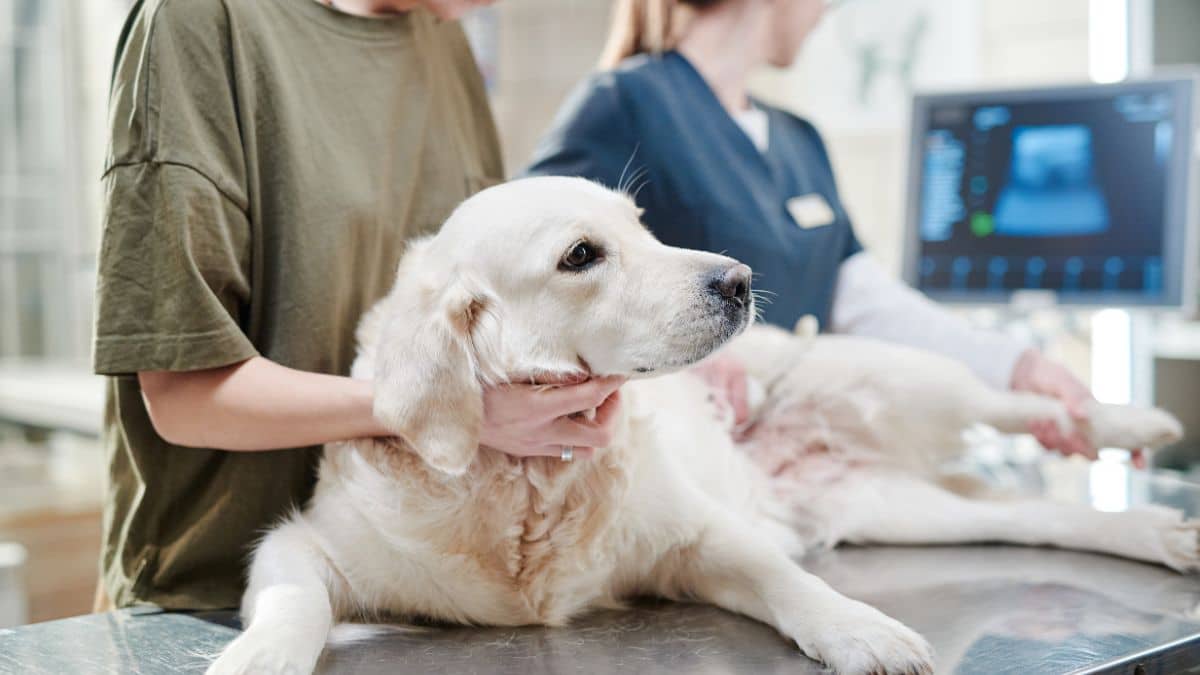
258,405
870,303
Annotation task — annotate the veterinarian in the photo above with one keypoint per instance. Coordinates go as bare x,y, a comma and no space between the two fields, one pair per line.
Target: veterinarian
268,160
668,117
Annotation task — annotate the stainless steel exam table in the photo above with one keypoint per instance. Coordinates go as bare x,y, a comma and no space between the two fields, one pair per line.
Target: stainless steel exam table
986,609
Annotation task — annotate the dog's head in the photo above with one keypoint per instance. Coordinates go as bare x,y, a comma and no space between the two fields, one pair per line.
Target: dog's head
540,277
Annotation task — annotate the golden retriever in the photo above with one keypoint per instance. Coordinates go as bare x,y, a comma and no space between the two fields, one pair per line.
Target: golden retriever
552,276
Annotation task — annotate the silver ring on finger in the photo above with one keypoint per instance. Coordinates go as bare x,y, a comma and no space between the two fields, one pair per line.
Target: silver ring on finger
568,453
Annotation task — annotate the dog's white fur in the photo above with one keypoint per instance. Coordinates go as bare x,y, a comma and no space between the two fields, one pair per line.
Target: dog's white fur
435,526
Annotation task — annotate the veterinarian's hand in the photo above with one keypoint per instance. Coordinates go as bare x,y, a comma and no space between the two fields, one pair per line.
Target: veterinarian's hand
1037,374
726,375
537,421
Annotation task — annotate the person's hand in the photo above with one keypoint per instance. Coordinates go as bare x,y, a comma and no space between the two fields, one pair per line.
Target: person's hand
1036,374
527,420
726,376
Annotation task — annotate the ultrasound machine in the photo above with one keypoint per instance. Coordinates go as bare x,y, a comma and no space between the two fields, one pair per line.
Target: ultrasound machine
1078,195
1075,198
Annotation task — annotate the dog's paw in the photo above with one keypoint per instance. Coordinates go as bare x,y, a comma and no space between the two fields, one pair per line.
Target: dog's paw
1156,534
252,654
1131,427
854,638
1179,539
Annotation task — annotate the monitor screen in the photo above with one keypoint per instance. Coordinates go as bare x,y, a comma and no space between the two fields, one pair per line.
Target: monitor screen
1081,191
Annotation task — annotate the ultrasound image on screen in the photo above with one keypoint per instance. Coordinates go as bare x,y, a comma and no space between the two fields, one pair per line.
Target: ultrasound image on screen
1051,189
1065,195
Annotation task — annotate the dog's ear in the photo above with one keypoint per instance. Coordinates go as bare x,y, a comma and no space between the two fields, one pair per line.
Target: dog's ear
426,388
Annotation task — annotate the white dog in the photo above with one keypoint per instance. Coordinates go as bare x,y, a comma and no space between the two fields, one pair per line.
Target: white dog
548,276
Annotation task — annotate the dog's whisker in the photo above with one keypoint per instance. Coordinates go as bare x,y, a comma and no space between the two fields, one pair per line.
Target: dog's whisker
760,294
633,180
627,176
639,188
621,179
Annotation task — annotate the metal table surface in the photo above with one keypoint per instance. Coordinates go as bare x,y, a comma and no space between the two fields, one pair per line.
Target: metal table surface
985,609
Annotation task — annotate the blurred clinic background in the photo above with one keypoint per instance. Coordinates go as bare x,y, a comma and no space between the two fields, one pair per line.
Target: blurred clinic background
855,79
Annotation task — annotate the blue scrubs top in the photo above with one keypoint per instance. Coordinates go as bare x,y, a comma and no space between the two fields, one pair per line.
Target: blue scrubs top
706,186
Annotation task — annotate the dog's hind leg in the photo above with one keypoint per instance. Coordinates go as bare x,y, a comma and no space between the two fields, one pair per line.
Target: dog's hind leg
883,506
286,609
732,568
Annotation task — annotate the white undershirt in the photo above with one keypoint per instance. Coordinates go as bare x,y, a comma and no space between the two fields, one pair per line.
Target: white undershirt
869,302
753,121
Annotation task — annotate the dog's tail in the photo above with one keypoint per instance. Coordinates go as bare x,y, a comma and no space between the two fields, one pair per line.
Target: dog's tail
351,633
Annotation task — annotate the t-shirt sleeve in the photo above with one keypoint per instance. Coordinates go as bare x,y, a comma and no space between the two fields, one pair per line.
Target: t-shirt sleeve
173,281
591,136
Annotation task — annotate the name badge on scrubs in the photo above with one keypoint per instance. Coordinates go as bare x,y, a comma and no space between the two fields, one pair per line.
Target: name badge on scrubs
810,211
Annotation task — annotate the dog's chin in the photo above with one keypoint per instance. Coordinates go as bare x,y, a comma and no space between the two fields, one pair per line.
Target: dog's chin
729,328
724,329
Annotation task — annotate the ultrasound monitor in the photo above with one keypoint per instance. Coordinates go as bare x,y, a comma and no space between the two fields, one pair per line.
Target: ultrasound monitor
1080,192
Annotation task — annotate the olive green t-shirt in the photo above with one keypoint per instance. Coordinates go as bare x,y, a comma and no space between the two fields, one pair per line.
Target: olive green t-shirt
268,160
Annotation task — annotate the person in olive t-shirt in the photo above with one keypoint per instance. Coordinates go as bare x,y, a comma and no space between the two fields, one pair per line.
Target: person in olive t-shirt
268,160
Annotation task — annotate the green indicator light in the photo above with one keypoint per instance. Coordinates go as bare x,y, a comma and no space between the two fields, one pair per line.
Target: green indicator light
981,224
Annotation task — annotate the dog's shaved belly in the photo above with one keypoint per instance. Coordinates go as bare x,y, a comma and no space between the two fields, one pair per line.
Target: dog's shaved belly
509,543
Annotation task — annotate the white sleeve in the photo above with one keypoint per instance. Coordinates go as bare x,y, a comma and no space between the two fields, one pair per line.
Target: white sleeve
869,302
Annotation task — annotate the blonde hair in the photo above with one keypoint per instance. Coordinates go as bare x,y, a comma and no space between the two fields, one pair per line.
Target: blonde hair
646,27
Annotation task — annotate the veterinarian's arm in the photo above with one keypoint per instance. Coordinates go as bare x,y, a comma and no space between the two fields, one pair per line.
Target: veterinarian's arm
871,303
258,404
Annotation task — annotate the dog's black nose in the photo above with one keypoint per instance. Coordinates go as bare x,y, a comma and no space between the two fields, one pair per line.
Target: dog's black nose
733,284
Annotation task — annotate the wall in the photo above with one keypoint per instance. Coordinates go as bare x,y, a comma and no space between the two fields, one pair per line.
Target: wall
55,59
545,48
1174,27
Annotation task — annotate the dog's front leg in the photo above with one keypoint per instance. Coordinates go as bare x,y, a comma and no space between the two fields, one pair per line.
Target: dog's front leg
731,568
286,608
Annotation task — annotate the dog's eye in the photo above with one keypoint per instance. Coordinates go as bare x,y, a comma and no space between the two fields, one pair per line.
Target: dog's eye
579,257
